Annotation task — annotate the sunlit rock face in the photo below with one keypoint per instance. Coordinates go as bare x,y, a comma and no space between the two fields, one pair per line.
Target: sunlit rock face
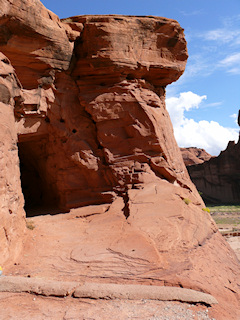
93,116
86,106
193,155
11,198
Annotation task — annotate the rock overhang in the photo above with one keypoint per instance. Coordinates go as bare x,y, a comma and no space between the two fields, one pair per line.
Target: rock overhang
97,109
150,48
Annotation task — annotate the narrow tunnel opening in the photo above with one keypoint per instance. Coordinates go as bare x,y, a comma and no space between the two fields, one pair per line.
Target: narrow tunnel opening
37,186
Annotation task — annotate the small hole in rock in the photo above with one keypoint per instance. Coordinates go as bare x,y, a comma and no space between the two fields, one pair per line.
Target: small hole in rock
6,61
130,77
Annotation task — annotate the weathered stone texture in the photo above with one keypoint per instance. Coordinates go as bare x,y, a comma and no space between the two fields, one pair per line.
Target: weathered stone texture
154,50
193,155
103,122
34,40
92,128
11,198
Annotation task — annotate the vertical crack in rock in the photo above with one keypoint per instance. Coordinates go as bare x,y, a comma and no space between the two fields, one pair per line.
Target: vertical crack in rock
126,210
6,233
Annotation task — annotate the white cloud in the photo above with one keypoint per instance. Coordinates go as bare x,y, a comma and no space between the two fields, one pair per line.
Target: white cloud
223,35
235,118
232,62
229,33
214,104
219,51
192,13
231,59
210,136
185,102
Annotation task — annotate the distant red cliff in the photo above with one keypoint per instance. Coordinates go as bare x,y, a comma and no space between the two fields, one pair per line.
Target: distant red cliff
218,179
193,155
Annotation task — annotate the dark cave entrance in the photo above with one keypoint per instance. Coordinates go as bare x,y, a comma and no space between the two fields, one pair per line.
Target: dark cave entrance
38,188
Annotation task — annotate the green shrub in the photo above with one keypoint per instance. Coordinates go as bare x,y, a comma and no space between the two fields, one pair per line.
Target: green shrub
186,200
206,209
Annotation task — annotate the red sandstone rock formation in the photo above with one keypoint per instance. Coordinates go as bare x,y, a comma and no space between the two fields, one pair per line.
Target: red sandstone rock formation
193,155
88,153
93,128
218,179
11,199
34,40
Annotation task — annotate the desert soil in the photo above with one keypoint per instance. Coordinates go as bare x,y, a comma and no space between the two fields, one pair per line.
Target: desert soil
228,221
30,307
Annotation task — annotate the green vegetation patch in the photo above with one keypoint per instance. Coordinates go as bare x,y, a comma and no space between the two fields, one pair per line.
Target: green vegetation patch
224,208
233,220
187,201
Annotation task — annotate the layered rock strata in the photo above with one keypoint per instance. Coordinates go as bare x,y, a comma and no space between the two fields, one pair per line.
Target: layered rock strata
92,128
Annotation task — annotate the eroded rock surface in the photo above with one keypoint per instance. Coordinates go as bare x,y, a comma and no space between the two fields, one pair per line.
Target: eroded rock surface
34,40
94,123
11,199
193,155
92,129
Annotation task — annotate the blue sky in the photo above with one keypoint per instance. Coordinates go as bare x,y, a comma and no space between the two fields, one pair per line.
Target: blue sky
204,102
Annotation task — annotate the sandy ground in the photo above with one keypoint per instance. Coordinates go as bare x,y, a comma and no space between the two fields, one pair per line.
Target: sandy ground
235,245
228,222
30,307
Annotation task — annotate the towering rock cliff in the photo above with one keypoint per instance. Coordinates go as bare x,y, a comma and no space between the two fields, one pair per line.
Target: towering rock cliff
93,120
219,178
88,97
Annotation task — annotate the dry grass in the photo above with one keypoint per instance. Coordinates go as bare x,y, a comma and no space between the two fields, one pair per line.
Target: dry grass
224,208
30,224
231,220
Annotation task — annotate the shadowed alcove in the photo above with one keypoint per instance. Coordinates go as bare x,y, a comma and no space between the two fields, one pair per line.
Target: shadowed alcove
37,186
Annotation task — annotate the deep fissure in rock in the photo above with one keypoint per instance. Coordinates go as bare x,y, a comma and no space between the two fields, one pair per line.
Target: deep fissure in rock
126,210
38,188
